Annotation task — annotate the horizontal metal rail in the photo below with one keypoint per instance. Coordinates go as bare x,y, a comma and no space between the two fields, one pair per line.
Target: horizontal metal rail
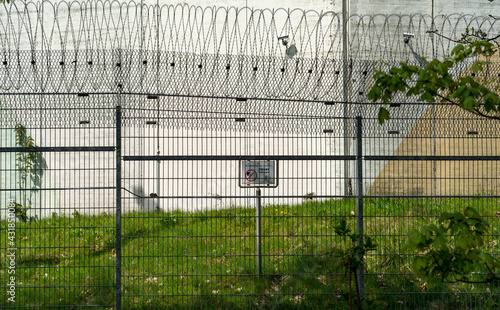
46,149
238,157
306,157
423,158
56,188
62,306
155,96
234,196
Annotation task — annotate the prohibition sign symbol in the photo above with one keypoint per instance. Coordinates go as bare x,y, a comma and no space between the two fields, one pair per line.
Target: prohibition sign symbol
251,175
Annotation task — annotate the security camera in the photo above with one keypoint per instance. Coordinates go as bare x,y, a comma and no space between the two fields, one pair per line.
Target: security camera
284,39
407,36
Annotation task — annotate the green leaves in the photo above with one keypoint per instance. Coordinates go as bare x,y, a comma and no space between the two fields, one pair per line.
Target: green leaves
351,254
458,50
383,115
31,166
342,229
434,82
20,211
452,250
491,101
351,257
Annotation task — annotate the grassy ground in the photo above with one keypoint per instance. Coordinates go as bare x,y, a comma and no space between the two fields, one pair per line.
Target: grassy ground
183,260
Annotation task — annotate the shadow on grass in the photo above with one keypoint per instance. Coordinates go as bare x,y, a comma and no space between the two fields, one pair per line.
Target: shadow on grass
38,260
308,284
319,282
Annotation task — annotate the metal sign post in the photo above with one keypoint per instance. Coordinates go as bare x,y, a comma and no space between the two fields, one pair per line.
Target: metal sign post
258,174
258,232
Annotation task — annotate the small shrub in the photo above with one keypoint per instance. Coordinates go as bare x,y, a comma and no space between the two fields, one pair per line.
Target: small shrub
452,249
168,221
20,211
352,257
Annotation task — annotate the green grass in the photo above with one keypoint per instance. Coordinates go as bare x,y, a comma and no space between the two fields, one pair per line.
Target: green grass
183,260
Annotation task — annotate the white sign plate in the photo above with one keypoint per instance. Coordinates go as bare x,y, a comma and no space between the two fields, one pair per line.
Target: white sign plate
258,173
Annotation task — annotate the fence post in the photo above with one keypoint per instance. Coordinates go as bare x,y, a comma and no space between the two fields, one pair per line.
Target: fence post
118,208
359,201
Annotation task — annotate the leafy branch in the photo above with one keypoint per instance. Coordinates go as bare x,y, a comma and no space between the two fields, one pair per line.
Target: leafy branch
352,257
434,81
31,166
470,35
453,249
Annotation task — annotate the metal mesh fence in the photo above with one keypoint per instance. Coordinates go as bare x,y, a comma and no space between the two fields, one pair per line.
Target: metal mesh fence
161,169
55,180
195,232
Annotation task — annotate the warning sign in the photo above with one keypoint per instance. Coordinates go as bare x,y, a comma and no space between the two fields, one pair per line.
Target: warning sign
258,174
251,175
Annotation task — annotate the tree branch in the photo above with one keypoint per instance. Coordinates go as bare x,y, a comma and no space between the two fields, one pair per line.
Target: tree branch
479,113
463,39
475,111
493,276
464,280
443,36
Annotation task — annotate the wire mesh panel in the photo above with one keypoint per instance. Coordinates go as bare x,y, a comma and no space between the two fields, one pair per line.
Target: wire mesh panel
57,204
201,233
179,157
441,164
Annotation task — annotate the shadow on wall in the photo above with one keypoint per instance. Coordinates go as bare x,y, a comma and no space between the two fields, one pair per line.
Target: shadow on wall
25,177
445,130
462,135
144,202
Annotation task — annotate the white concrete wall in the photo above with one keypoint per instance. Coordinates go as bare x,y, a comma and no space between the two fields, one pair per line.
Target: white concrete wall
195,31
451,18
83,182
201,185
441,7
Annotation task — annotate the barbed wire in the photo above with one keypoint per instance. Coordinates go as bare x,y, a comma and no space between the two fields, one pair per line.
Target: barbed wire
78,46
107,47
110,25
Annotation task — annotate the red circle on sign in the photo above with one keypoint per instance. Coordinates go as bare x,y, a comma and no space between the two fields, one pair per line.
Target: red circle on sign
251,175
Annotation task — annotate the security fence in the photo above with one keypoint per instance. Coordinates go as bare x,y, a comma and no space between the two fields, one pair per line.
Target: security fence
174,168
130,211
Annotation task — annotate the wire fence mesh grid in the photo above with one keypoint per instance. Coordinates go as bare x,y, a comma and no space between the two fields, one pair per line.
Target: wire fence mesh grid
54,179
188,232
130,161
